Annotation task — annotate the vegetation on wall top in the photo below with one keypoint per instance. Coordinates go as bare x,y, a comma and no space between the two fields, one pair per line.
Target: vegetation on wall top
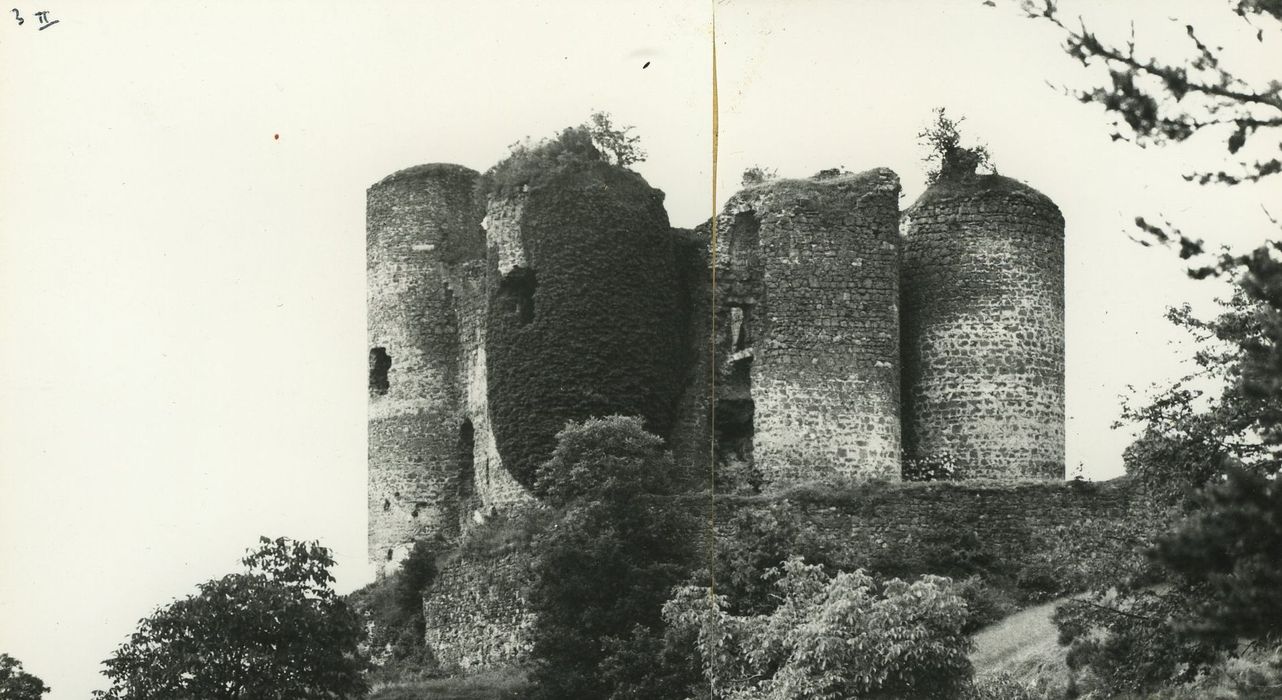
529,165
945,154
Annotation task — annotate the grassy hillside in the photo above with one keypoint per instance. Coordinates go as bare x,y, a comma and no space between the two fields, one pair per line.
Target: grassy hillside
1024,648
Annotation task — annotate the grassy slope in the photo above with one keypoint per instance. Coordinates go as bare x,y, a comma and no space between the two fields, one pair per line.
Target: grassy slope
1024,646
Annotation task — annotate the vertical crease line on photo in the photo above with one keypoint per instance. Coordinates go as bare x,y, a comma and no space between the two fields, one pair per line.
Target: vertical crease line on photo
712,338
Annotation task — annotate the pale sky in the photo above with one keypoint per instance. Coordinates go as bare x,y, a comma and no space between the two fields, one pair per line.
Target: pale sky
182,330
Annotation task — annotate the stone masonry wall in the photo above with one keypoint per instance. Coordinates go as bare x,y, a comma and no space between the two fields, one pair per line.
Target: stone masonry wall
476,612
983,324
1008,520
412,217
493,488
808,315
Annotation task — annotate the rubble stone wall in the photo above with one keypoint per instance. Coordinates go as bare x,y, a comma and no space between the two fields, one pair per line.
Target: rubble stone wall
412,218
983,324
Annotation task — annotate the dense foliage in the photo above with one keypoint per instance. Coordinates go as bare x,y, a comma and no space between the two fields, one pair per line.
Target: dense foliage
530,165
604,568
392,611
17,684
1229,550
844,636
591,322
758,540
275,630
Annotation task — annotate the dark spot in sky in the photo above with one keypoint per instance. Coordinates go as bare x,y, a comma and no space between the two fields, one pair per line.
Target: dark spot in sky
647,65
275,137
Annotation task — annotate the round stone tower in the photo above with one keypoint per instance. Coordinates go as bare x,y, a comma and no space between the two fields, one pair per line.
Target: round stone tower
584,317
983,328
415,219
808,328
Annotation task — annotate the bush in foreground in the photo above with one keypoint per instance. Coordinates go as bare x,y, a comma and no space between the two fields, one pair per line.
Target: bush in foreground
844,636
275,630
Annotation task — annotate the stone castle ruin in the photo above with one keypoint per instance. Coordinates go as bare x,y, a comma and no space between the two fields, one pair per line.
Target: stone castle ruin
842,336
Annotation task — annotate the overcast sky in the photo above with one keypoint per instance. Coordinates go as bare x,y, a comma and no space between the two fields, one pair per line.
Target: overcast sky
182,301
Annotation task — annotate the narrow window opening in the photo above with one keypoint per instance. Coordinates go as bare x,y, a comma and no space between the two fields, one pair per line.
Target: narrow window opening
745,240
734,419
734,425
389,555
516,294
740,328
734,429
387,505
379,364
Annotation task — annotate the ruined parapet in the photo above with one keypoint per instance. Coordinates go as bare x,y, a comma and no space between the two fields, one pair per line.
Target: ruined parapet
583,306
416,220
983,324
808,329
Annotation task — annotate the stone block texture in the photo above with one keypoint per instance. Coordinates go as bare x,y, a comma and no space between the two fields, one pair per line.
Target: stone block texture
476,612
807,328
412,217
983,328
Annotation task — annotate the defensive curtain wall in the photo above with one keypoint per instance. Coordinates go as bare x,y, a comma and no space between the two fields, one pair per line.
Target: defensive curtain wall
847,337
477,618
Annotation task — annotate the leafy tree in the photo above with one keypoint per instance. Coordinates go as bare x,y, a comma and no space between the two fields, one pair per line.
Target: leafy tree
1130,642
1192,438
1222,560
844,636
1230,548
944,152
17,684
759,540
616,141
275,630
416,573
1160,100
605,567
